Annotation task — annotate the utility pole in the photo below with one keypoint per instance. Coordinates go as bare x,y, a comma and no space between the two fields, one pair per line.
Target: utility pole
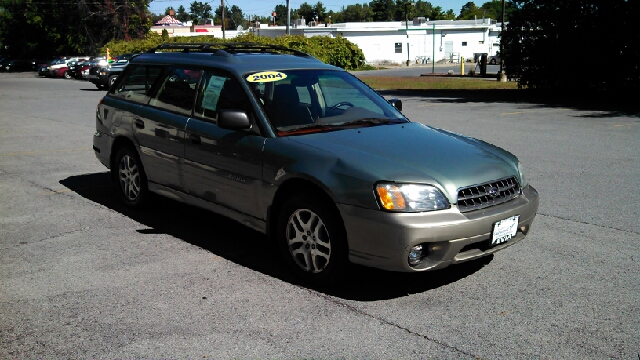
288,17
433,53
406,25
222,3
502,77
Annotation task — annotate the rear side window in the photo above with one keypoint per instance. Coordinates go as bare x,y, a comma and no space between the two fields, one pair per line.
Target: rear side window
218,91
137,83
177,90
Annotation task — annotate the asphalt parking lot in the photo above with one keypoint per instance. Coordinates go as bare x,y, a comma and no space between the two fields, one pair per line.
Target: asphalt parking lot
84,277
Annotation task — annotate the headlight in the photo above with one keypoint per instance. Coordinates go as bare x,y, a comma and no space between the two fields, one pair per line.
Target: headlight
410,197
523,182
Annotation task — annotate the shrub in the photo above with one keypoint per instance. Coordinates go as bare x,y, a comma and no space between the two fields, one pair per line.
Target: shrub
338,51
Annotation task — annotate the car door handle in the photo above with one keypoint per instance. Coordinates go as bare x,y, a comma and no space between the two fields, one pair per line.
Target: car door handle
195,139
139,124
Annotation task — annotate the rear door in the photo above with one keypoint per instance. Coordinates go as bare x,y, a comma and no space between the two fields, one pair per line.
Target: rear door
157,117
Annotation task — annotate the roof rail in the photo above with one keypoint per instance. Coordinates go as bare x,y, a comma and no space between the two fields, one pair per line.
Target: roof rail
227,48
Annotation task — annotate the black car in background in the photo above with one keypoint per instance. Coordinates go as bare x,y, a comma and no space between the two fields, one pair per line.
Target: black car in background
74,68
36,63
102,76
15,65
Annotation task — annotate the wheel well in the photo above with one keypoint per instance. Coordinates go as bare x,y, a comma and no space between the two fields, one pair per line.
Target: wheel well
286,190
118,144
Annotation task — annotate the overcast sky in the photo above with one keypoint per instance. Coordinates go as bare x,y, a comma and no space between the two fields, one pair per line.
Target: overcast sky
265,7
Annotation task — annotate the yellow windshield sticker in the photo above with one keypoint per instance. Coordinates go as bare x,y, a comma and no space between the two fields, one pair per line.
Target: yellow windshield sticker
266,76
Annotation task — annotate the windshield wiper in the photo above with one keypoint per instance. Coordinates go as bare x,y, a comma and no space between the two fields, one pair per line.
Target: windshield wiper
330,127
373,121
308,129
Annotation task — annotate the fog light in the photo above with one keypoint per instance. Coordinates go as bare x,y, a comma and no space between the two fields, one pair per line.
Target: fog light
415,255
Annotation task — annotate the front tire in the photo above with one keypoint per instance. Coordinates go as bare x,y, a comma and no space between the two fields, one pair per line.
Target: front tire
112,79
131,178
67,75
312,239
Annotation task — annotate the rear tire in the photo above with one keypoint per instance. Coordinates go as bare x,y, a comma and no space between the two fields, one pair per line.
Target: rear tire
66,75
312,239
131,178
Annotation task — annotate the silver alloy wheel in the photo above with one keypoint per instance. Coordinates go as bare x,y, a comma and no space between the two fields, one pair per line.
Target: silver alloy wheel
308,241
129,177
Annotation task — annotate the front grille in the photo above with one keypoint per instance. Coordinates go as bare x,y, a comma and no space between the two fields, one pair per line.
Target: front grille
487,194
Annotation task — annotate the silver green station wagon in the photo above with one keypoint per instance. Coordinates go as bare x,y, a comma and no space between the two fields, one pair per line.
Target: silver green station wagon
309,155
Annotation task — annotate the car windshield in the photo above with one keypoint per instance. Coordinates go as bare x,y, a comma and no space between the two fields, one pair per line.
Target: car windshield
303,101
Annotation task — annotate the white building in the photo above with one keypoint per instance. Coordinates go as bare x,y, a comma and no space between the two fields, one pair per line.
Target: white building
394,42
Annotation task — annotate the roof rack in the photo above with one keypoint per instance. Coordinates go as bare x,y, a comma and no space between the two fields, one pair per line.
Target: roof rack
227,48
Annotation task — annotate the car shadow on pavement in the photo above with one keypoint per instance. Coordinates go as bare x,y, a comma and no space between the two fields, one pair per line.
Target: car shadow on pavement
606,104
246,247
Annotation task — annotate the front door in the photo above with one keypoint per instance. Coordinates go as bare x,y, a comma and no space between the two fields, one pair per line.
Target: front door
223,166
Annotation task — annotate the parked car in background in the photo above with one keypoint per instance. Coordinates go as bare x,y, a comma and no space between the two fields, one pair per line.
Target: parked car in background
493,60
16,65
43,67
58,63
36,63
93,61
61,72
74,68
53,65
102,76
82,67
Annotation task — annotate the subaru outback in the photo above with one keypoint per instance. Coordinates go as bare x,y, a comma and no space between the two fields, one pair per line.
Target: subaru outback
307,154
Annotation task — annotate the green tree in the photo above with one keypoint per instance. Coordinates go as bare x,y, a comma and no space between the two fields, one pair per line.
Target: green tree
35,28
383,10
423,9
357,13
494,9
320,11
542,33
470,11
233,17
336,17
200,12
450,15
281,14
182,14
437,13
399,10
305,12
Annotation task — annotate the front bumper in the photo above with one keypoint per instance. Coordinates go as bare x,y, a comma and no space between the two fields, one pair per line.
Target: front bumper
383,239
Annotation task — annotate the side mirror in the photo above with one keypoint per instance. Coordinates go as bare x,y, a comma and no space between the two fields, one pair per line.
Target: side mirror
396,103
233,120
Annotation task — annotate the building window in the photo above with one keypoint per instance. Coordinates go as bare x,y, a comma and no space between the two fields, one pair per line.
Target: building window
398,48
464,43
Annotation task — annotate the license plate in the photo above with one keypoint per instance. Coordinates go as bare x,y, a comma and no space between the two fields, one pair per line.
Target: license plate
504,230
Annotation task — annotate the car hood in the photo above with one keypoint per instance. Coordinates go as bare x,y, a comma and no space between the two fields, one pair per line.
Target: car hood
413,152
